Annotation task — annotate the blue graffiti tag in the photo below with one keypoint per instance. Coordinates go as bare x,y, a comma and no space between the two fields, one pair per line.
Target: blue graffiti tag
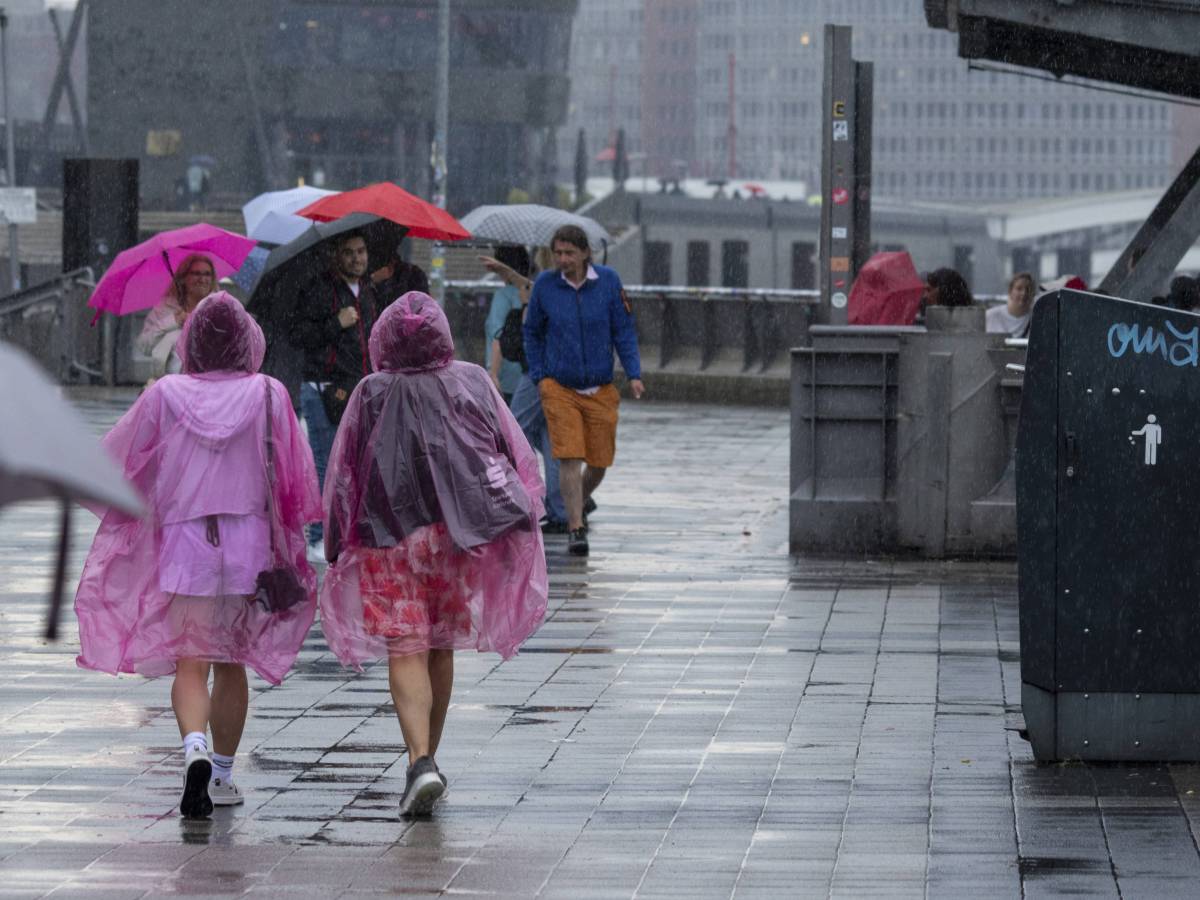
1183,350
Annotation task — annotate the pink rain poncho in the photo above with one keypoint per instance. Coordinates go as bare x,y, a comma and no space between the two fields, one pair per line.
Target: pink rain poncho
180,583
432,501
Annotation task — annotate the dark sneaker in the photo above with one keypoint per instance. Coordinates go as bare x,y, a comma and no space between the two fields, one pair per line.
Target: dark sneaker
589,506
577,543
554,526
422,789
195,802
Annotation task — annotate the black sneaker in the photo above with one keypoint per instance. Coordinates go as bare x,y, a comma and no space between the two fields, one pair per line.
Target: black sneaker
422,789
589,506
577,543
554,526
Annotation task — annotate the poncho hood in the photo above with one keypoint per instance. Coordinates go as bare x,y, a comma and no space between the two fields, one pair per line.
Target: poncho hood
412,335
221,337
220,347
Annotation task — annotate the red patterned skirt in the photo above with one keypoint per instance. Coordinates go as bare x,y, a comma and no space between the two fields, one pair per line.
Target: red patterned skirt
418,592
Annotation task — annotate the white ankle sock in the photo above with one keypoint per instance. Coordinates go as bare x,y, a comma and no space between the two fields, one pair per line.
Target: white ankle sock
195,740
222,767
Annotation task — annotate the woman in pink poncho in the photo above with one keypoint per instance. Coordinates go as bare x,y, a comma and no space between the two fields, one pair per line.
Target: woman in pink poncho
179,591
432,501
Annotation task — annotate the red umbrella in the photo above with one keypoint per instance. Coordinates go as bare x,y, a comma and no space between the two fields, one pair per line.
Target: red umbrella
887,291
391,202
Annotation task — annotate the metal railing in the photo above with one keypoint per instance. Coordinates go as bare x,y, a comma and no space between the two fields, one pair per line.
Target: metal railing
687,329
672,290
44,320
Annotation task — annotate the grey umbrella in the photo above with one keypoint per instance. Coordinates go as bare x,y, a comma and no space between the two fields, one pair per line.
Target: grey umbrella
46,450
529,224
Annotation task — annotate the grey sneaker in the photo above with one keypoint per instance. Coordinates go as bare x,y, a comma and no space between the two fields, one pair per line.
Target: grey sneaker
195,802
422,788
225,793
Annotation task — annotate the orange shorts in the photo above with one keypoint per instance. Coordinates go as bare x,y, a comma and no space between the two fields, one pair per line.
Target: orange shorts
581,427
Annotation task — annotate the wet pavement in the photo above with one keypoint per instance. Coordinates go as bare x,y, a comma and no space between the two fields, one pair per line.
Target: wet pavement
699,717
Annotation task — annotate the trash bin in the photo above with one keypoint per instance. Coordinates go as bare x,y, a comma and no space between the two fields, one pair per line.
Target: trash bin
1108,484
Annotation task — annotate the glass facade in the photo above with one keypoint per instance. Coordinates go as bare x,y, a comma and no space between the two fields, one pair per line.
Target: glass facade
942,131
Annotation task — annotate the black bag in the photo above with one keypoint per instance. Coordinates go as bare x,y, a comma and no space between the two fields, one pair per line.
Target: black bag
512,337
335,397
277,589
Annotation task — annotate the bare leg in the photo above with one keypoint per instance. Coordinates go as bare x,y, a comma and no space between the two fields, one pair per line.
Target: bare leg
189,696
441,677
592,477
230,698
412,695
570,482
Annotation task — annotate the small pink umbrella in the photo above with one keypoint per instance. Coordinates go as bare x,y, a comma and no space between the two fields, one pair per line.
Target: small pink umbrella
139,277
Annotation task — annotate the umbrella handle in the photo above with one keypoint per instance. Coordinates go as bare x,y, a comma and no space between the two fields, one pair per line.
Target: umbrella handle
60,571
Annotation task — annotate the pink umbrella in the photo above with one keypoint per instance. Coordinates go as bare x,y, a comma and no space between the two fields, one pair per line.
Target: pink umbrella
139,277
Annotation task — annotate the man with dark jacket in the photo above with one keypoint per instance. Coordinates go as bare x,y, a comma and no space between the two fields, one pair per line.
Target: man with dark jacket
396,279
578,314
333,322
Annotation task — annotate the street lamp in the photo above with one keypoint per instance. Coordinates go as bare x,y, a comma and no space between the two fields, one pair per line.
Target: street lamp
441,128
14,263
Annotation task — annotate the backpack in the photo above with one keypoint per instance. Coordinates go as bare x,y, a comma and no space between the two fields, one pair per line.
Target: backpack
512,338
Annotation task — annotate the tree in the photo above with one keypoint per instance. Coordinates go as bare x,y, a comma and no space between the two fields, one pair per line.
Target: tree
581,167
620,162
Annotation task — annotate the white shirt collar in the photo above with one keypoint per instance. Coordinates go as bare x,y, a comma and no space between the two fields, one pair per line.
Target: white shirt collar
592,275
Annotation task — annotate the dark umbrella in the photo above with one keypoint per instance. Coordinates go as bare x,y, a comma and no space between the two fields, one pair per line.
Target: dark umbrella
52,453
287,272
581,167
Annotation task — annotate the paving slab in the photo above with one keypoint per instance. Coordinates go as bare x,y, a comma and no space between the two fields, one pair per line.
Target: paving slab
699,716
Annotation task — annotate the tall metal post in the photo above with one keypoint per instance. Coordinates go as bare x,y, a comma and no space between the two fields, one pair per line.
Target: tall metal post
14,259
846,101
441,128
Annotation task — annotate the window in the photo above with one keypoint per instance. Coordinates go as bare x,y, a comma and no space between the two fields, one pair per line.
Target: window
698,263
804,269
656,263
964,261
735,264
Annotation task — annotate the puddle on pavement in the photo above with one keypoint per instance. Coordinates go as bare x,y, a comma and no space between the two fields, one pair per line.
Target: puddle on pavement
364,708
1032,866
572,650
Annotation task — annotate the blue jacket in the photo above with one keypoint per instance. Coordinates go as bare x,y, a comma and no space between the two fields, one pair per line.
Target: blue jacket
570,334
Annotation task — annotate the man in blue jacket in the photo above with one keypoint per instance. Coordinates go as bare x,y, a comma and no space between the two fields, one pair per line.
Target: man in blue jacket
578,314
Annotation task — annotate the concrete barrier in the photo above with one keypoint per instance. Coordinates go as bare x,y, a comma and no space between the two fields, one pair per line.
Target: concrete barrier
902,440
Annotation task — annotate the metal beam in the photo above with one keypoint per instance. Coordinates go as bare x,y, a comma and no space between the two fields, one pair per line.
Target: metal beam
1162,241
81,135
61,76
1148,45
